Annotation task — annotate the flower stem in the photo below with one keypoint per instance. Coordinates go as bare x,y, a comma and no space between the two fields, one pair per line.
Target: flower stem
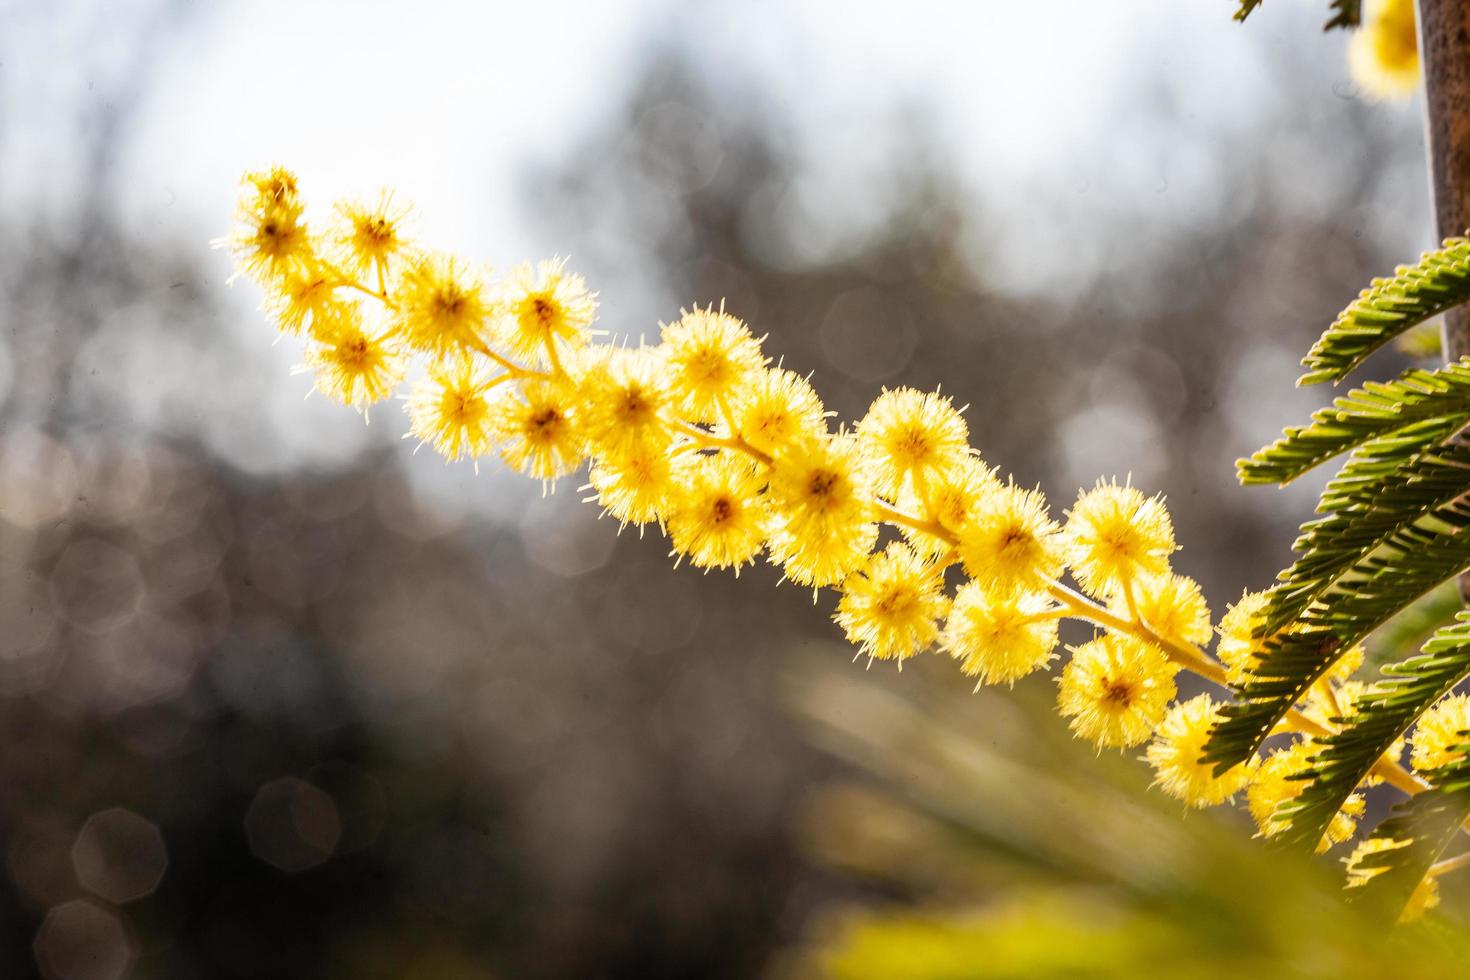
709,440
1195,660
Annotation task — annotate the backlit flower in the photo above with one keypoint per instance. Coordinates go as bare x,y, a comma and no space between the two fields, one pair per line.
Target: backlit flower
912,436
891,607
1115,690
1177,755
718,518
1115,534
713,362
1000,636
544,311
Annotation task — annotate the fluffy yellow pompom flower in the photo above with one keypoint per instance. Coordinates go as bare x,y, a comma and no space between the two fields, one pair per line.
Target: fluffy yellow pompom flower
441,306
624,394
1436,738
1238,646
718,517
891,607
301,296
276,184
542,436
353,367
544,310
712,361
635,486
1273,783
1384,53
1012,543
1425,895
270,239
1172,606
823,510
1000,636
1115,534
956,498
912,436
370,235
1115,690
1176,755
780,408
452,409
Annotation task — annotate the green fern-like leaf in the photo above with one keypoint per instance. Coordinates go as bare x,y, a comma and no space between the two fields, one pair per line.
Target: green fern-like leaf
1374,722
1401,417
1439,281
1414,560
1367,515
1422,827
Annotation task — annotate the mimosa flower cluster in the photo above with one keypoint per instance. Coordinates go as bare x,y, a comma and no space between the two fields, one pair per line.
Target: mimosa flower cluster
1383,53
736,460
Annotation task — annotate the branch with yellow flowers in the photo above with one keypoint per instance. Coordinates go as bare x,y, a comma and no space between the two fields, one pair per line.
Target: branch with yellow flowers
732,458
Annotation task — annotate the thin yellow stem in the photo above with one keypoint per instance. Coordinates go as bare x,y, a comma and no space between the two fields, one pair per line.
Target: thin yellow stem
1195,660
552,358
510,366
1131,600
1185,655
709,440
1074,603
499,379
727,415
893,515
1324,685
381,297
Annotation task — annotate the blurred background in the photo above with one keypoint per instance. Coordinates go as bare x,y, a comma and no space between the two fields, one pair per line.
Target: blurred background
279,700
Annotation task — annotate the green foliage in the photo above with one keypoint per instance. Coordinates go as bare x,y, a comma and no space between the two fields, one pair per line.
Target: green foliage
1426,823
1392,528
1389,421
1369,516
1408,631
1085,875
1411,562
1439,281
1380,717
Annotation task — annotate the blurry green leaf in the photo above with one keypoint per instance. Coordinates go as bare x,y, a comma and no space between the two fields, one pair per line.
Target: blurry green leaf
1346,13
1246,8
1081,935
1406,632
1422,343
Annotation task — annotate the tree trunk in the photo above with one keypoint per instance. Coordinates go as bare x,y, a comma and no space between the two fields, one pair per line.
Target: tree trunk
1444,52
